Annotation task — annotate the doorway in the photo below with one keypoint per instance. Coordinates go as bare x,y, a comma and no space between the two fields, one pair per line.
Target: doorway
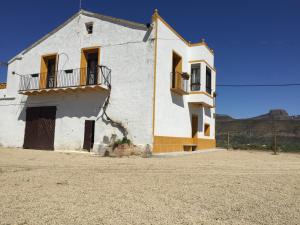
89,66
89,134
51,65
195,129
40,128
92,68
48,71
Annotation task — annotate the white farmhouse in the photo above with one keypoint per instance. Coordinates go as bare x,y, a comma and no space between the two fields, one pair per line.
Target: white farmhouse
96,78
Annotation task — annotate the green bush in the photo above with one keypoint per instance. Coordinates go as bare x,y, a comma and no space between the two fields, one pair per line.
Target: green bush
118,142
240,141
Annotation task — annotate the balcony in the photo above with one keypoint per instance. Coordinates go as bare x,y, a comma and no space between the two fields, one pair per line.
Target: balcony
201,98
71,80
179,83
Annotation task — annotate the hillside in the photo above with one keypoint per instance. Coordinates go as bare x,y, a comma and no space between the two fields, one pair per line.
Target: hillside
260,131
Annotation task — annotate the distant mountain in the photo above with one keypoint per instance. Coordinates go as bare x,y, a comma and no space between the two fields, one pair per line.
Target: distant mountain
273,114
260,130
223,117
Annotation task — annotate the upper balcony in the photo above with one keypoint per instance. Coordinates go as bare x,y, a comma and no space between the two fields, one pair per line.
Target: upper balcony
179,83
71,80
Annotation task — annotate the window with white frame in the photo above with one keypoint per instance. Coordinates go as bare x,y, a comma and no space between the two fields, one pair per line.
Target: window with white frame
195,77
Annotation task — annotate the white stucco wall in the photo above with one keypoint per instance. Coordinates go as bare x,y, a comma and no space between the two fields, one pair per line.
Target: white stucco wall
201,52
172,111
128,52
2,93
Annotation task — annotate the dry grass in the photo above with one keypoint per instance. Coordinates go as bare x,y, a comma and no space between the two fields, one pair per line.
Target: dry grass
234,187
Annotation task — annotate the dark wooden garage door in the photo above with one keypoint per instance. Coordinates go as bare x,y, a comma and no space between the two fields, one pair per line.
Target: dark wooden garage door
40,128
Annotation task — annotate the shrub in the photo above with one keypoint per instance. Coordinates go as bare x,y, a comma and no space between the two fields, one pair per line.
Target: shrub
118,142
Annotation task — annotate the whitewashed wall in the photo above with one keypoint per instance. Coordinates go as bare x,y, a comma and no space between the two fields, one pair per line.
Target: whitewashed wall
172,111
130,55
201,52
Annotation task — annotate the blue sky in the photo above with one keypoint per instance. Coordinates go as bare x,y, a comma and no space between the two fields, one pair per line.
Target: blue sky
255,41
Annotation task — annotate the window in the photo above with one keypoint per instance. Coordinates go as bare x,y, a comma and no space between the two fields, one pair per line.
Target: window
208,80
89,28
207,129
195,77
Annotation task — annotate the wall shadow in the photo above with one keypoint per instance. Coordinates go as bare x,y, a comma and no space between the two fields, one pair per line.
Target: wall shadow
177,99
68,105
207,112
199,112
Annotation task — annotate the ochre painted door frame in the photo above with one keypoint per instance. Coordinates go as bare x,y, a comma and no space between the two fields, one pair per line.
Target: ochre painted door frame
83,62
44,68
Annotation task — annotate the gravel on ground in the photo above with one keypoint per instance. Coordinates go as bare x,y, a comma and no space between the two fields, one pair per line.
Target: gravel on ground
221,187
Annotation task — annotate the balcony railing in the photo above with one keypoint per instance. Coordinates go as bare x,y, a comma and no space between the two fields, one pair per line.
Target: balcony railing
101,75
179,83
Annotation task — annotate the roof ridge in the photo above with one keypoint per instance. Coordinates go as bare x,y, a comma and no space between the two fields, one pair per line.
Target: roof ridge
102,16
111,19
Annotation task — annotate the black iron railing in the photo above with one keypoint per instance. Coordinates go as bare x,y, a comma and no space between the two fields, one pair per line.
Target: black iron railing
100,75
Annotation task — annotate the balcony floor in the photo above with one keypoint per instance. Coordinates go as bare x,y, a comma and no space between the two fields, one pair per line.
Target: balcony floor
76,89
201,98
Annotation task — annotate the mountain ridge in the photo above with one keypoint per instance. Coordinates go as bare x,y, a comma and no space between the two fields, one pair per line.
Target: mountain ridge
273,114
260,131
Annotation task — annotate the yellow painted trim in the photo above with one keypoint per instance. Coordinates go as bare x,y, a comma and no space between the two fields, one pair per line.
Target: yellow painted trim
198,44
44,69
204,61
83,61
154,19
207,129
48,55
183,39
2,85
91,48
173,144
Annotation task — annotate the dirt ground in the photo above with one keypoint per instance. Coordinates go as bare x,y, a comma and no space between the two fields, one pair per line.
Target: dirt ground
225,187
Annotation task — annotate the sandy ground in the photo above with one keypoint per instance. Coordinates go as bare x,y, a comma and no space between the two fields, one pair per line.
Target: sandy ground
228,187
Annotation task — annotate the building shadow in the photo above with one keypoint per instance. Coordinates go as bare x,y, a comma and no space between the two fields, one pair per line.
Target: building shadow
177,99
81,105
